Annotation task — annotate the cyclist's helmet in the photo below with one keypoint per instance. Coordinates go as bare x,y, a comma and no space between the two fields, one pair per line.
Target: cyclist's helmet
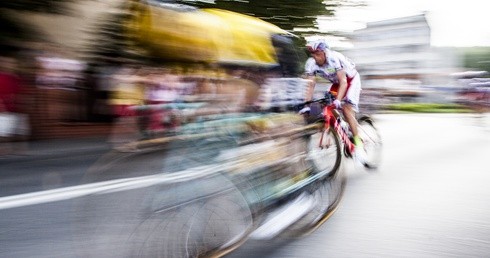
316,45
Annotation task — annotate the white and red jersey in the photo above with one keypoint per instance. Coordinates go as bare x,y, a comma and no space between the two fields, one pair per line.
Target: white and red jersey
335,62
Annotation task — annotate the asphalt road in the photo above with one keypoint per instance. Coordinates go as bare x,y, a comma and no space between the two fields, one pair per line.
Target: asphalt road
428,199
44,172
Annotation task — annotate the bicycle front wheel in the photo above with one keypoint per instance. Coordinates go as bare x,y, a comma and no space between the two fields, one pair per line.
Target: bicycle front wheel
324,150
371,140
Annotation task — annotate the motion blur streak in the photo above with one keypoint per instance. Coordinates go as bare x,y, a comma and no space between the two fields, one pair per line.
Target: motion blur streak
101,188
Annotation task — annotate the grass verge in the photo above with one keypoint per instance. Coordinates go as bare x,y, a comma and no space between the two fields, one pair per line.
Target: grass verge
428,108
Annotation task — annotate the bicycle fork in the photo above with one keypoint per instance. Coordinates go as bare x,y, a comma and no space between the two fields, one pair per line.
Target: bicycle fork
334,119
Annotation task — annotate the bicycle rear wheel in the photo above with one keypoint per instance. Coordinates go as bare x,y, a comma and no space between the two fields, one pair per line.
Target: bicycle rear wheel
325,153
371,140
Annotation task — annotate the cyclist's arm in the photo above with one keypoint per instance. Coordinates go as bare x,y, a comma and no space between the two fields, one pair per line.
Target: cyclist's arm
310,75
311,87
342,84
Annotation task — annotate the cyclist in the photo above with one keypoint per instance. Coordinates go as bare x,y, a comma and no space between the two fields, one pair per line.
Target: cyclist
346,82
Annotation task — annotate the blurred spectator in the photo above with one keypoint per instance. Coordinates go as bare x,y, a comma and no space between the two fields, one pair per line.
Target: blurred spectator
10,85
14,125
61,82
127,91
163,87
475,90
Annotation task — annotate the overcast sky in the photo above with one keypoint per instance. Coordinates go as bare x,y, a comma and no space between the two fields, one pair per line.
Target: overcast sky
452,22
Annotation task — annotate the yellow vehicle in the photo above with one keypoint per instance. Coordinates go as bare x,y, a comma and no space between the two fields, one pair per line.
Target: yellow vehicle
183,33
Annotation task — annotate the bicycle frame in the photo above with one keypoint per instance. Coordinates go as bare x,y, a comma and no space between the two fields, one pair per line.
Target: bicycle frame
333,120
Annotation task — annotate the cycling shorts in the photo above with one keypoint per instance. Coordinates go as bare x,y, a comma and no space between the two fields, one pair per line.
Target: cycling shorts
353,91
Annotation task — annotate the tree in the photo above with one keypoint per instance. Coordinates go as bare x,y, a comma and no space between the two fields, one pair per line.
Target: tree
13,31
287,14
476,58
108,39
46,6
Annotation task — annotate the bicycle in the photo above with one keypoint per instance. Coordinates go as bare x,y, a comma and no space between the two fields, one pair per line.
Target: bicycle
325,146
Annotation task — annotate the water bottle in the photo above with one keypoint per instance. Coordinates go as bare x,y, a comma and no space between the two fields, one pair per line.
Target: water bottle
346,128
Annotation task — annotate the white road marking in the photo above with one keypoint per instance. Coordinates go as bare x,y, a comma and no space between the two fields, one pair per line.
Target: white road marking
110,186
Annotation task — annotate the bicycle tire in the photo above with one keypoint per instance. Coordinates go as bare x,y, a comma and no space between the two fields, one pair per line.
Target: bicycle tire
326,158
201,229
371,140
194,218
329,186
194,153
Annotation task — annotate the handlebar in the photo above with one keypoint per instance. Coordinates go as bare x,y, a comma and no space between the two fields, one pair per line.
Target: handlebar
327,100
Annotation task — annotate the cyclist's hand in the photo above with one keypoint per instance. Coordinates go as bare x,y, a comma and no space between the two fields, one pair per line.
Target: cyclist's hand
304,110
337,103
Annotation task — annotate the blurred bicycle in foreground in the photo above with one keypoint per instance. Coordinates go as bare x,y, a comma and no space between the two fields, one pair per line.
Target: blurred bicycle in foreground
234,161
204,193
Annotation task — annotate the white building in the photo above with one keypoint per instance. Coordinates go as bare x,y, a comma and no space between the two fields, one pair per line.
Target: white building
396,54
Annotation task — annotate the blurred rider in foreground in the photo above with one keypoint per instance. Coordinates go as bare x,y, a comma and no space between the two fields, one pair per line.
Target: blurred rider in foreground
346,82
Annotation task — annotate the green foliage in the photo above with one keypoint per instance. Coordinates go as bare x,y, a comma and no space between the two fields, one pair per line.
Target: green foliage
286,14
428,107
477,58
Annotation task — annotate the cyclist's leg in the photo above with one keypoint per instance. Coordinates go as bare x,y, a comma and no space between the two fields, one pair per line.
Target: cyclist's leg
351,102
350,117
